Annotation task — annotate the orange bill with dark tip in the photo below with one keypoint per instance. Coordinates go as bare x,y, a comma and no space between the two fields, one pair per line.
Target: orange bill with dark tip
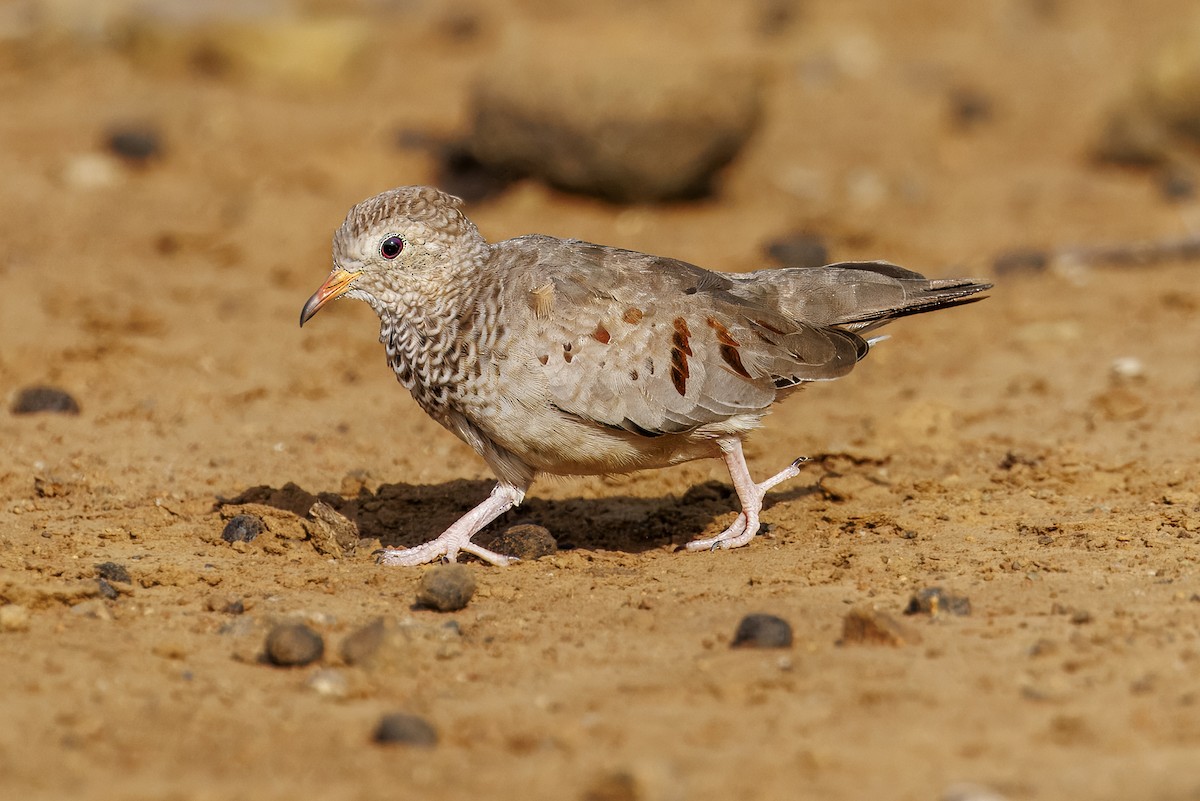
336,284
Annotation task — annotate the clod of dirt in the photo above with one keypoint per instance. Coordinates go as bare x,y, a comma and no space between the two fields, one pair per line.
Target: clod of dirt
615,786
933,601
135,145
44,399
361,644
763,631
869,627
330,532
800,249
227,604
242,528
293,645
111,571
14,617
399,728
446,588
525,541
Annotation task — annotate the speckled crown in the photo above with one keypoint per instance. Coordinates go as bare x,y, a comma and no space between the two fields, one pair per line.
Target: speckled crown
431,207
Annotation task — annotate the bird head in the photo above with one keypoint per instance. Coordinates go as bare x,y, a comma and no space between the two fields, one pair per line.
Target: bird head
398,249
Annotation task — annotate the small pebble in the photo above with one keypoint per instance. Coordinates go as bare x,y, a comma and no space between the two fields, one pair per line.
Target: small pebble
969,108
107,590
799,250
44,399
135,145
1127,368
399,728
111,571
869,627
293,645
525,541
242,528
328,682
1175,183
1021,261
763,631
227,604
446,588
934,600
14,617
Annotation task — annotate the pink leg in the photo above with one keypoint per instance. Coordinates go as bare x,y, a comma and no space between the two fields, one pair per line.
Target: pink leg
750,494
458,536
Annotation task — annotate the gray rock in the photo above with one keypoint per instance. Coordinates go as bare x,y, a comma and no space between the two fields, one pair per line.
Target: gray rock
628,127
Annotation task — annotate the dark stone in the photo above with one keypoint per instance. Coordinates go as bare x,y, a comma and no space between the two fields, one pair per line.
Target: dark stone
242,528
1176,183
763,631
107,591
446,588
399,728
524,541
1021,261
44,399
800,249
969,108
293,645
111,571
935,600
136,145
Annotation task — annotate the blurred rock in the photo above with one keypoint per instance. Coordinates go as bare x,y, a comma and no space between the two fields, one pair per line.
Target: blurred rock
14,617
293,645
762,631
388,645
871,627
969,108
933,601
399,728
135,145
44,399
1162,106
446,588
1021,261
629,126
800,249
266,48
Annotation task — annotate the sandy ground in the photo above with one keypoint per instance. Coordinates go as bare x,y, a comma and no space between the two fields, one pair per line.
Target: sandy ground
990,450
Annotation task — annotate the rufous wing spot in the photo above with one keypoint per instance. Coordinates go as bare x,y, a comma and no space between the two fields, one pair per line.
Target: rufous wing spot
601,334
681,348
727,346
632,315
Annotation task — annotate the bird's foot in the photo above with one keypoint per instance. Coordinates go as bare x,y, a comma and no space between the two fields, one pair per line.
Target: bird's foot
458,536
751,495
439,549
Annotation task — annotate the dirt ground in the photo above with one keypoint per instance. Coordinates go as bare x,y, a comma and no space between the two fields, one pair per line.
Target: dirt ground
1002,451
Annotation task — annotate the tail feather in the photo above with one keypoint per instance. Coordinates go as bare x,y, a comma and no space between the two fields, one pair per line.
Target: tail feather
855,296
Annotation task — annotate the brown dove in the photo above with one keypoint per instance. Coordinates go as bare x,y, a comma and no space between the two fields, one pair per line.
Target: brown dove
559,356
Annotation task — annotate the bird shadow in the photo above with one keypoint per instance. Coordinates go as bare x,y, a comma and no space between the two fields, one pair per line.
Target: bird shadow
405,515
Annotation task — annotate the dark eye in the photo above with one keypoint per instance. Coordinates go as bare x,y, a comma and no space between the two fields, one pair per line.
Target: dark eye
391,247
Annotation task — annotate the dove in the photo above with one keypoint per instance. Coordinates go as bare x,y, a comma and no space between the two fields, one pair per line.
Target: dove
558,356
